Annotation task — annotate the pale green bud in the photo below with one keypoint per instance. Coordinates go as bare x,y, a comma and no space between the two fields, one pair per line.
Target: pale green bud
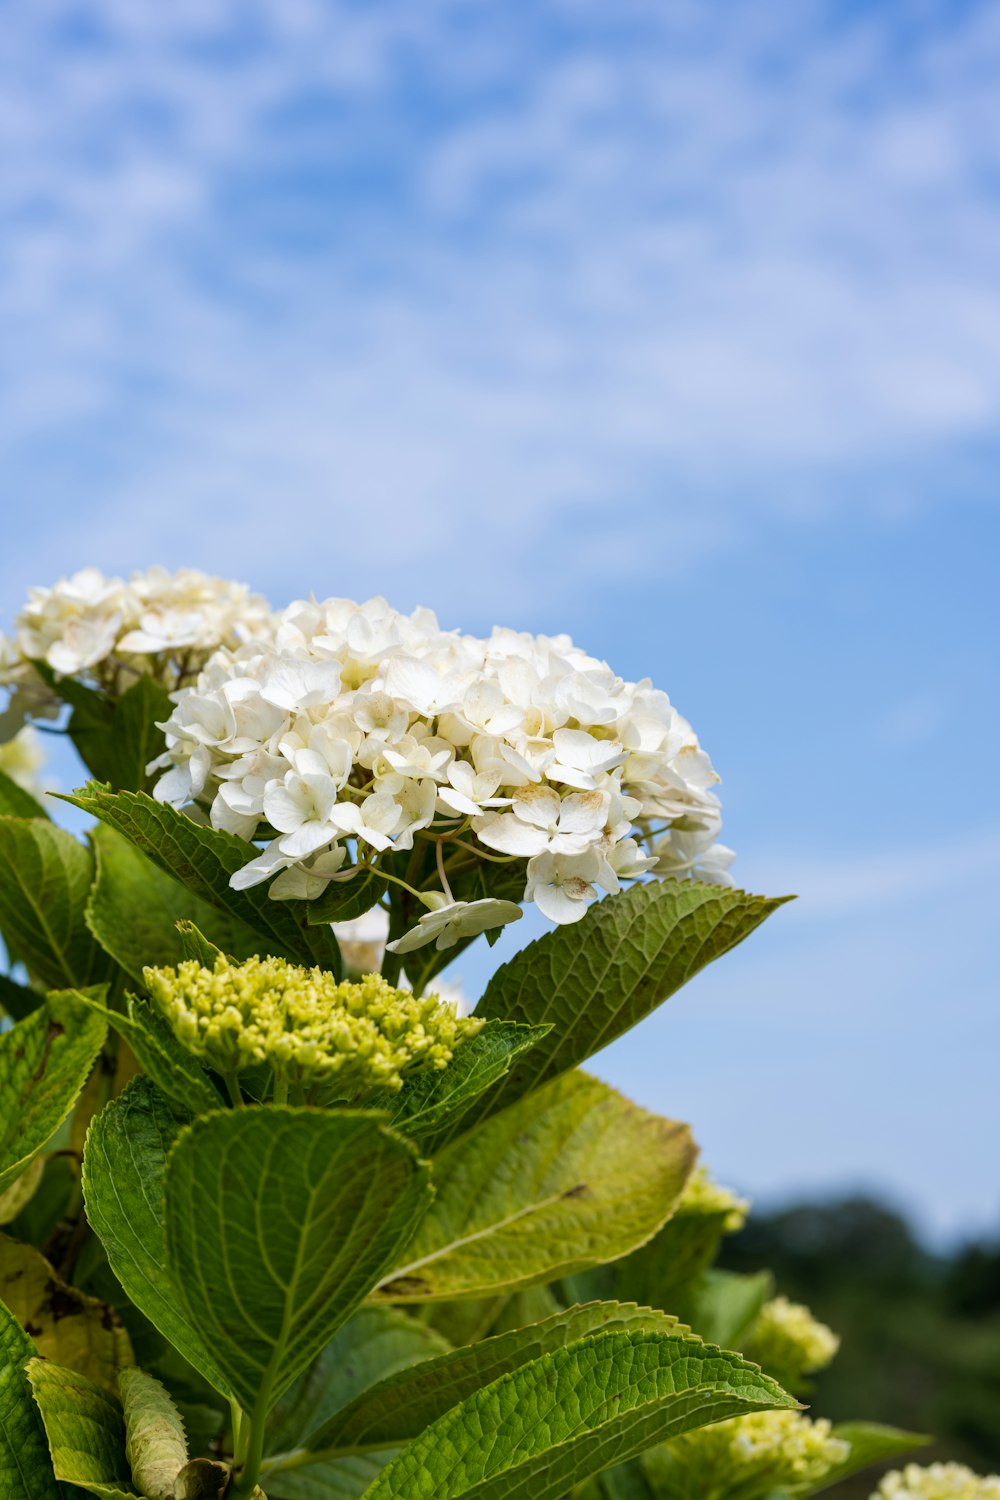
749,1457
316,1033
789,1342
703,1196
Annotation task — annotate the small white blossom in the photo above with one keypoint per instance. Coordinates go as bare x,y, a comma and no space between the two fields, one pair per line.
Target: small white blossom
541,820
447,925
561,884
304,882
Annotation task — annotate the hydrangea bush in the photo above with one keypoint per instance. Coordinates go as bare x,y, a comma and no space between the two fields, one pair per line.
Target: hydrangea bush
284,1214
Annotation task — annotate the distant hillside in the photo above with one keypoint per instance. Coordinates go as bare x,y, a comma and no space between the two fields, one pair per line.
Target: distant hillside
921,1333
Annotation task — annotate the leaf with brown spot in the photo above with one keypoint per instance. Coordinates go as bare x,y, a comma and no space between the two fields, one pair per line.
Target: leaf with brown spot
67,1326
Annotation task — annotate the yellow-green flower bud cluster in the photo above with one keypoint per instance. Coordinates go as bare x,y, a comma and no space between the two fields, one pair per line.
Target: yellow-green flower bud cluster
747,1457
937,1482
312,1030
703,1196
789,1342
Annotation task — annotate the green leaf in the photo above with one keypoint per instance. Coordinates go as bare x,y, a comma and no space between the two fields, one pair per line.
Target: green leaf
202,860
871,1443
430,1105
124,1166
194,944
134,909
15,802
401,1406
67,1326
25,1465
137,740
85,1429
594,980
722,1304
160,1055
667,1270
279,1221
45,877
18,1000
44,1062
17,1195
544,1427
344,1479
116,738
374,1344
573,1177
624,1482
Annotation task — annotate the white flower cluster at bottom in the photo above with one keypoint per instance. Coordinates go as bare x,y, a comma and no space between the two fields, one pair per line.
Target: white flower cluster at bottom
937,1482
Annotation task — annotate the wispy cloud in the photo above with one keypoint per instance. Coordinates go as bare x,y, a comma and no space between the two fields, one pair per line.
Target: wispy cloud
404,278
877,879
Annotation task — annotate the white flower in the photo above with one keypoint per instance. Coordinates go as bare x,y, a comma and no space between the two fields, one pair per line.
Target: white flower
469,790
375,821
304,882
353,725
582,760
300,808
540,819
267,863
561,884
693,854
941,1481
459,919
108,631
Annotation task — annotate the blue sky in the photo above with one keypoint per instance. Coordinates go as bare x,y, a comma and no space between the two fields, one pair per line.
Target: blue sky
675,326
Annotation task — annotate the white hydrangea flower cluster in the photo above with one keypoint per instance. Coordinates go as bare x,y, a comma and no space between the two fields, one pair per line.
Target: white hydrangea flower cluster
109,631
937,1482
357,730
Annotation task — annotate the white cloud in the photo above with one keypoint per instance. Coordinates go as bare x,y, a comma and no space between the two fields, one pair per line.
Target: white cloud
415,275
877,879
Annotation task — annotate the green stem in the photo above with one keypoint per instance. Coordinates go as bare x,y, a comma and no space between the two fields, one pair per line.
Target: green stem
236,1417
280,1095
235,1096
247,1462
384,875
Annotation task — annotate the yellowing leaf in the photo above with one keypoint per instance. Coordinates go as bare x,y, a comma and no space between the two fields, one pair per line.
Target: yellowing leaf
574,1176
66,1326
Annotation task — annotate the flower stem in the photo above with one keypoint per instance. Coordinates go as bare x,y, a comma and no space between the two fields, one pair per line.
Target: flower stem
439,855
